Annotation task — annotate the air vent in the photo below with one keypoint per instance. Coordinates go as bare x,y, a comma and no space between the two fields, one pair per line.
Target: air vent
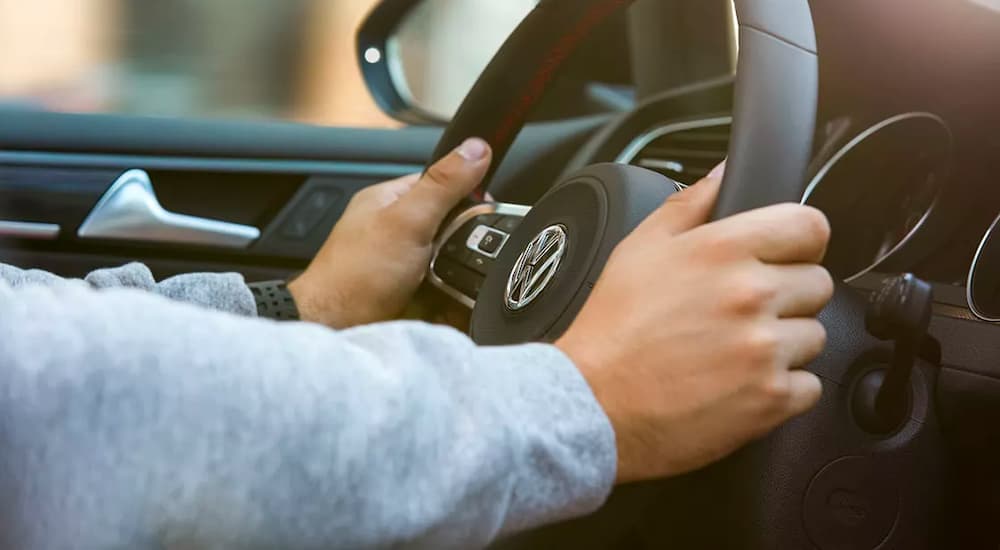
683,151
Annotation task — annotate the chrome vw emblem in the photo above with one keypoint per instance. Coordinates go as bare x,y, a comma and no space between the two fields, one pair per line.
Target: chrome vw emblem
536,267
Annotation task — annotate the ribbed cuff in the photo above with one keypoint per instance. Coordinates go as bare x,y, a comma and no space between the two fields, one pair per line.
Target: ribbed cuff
222,292
566,442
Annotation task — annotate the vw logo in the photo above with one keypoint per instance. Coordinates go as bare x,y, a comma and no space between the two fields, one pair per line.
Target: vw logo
534,270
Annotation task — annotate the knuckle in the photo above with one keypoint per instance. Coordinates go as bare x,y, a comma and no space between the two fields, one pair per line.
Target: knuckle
750,294
776,391
825,283
819,337
720,243
441,173
814,223
761,346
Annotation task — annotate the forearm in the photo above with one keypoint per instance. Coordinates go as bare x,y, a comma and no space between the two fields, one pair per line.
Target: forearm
146,423
222,292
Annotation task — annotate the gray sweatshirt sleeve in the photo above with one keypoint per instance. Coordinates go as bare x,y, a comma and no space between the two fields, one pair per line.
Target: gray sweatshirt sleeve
223,291
131,421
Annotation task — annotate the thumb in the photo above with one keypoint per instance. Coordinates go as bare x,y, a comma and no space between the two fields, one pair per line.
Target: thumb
443,186
691,207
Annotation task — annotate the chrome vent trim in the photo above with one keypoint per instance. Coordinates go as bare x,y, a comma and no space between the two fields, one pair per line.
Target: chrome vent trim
675,163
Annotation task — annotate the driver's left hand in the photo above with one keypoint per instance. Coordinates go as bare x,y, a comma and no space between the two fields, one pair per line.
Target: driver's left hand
377,255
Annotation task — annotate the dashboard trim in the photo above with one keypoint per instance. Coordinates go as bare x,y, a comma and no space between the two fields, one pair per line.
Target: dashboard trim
643,140
848,148
972,274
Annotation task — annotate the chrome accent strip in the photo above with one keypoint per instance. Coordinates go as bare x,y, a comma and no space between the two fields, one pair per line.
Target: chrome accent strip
858,140
29,230
733,26
643,140
129,210
972,274
452,228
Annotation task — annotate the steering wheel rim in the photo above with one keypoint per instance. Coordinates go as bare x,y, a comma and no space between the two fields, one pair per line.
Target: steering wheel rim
775,107
800,486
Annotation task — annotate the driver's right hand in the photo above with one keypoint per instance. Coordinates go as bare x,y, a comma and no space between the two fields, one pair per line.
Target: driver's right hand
695,337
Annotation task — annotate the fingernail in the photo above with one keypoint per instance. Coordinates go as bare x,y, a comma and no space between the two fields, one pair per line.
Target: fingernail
719,171
473,150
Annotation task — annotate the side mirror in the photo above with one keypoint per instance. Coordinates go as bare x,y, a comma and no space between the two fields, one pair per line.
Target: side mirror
421,57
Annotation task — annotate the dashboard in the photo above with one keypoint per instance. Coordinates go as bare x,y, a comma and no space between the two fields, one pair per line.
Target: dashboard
934,57
907,149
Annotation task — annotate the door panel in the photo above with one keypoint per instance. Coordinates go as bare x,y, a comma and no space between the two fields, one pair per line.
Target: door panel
290,181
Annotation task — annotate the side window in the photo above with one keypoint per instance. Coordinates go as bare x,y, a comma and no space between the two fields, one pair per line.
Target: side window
287,59
466,34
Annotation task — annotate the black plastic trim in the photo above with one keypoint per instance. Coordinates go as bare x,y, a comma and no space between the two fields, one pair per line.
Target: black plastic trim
375,32
87,160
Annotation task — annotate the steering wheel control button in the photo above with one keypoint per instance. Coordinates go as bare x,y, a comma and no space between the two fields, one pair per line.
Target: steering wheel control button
477,262
459,277
453,249
492,242
487,241
851,504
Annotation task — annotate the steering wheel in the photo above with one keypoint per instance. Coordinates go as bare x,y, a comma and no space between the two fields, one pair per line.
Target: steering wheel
819,481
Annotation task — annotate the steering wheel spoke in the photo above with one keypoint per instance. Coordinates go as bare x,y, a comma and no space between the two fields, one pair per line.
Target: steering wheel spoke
467,249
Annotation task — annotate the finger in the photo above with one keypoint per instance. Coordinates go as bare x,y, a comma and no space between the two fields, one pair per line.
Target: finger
805,391
442,187
803,289
691,207
802,341
781,234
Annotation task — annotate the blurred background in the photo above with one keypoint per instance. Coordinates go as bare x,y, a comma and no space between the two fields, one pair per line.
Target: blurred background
284,59
288,59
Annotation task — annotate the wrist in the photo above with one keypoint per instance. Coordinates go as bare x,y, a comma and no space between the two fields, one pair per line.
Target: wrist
600,379
315,306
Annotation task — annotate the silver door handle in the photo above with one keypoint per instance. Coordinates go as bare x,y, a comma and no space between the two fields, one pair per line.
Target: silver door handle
129,210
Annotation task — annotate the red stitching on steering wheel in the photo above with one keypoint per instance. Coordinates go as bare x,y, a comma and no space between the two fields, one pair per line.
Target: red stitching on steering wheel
553,60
